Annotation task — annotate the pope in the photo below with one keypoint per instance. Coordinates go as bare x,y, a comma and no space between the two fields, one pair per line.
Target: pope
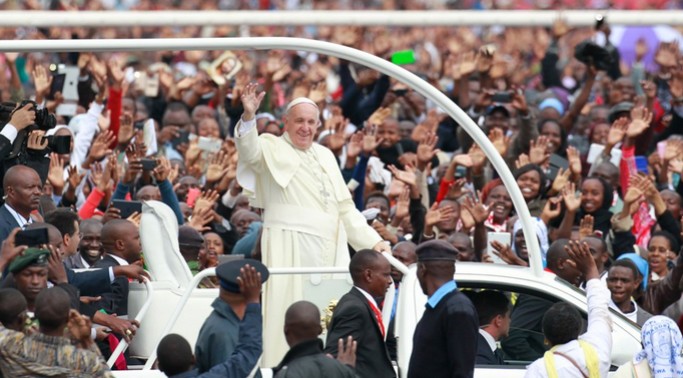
309,215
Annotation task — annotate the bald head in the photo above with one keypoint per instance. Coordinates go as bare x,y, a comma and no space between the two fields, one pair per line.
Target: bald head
16,174
23,188
361,261
121,238
148,193
52,309
302,323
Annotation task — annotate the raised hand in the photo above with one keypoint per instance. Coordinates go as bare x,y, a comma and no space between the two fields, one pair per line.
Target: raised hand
200,219
519,102
336,125
485,60
551,209
407,177
318,92
207,199
435,215
538,151
74,178
467,64
249,282
402,205
354,146
478,158
42,81
251,101
426,150
581,255
640,121
634,193
676,165
455,190
667,54
9,250
561,180
478,210
126,129
676,83
505,253
104,120
586,226
499,140
522,160
346,353
217,167
56,173
100,146
559,28
572,201
378,116
574,161
370,140
617,132
674,149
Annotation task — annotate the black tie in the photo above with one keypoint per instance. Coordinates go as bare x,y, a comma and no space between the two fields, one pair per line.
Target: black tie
499,356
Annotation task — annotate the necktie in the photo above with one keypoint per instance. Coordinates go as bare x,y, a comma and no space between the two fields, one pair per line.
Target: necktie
378,316
499,356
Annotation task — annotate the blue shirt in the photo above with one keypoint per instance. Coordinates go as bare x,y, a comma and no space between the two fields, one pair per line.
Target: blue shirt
438,295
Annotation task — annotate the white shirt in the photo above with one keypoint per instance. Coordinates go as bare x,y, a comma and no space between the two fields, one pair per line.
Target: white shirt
119,260
85,263
489,339
632,316
21,221
368,296
598,334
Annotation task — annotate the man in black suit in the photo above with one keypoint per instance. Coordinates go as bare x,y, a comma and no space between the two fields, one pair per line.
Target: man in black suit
445,339
526,341
23,188
358,315
494,309
121,242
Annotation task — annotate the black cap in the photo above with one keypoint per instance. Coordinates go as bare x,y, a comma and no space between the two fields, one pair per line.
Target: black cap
435,250
498,108
229,271
189,237
622,107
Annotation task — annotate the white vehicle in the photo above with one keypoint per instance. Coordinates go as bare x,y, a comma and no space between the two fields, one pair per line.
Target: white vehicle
171,302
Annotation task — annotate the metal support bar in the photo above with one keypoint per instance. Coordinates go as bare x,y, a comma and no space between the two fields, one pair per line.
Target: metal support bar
123,345
519,18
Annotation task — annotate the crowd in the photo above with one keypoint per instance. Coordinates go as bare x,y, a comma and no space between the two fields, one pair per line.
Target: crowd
296,159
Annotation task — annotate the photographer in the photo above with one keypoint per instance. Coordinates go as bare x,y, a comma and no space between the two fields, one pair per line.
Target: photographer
22,140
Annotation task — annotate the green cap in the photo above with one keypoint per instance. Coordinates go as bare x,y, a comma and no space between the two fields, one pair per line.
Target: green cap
31,256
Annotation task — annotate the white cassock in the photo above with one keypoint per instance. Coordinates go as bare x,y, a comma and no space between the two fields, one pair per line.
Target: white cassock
309,216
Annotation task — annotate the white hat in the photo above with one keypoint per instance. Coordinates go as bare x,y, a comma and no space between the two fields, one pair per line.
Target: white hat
300,100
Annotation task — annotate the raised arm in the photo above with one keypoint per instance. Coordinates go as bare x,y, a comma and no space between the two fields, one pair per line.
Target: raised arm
246,138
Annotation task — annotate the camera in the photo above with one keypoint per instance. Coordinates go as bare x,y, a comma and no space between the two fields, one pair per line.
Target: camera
589,52
44,120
